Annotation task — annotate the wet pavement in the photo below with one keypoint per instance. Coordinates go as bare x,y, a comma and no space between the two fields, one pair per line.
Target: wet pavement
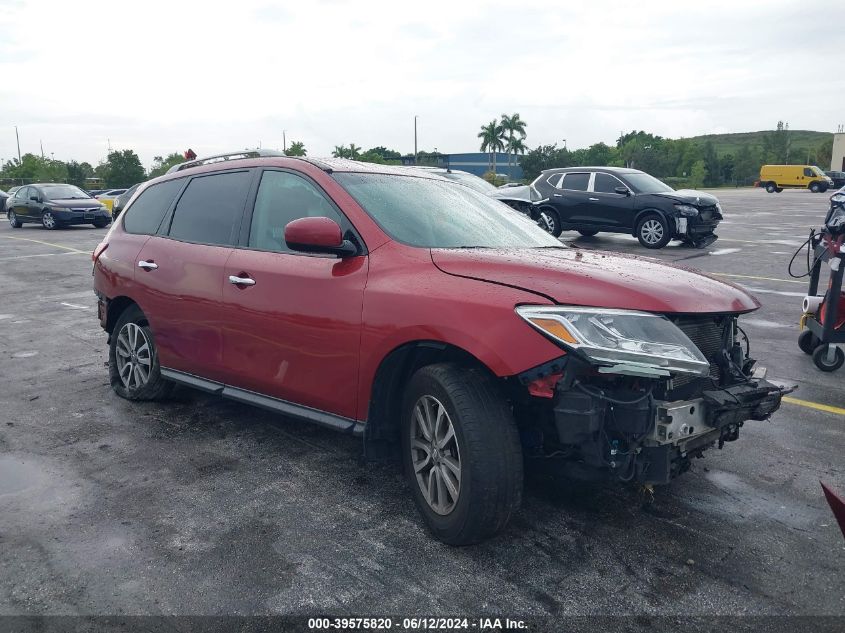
202,506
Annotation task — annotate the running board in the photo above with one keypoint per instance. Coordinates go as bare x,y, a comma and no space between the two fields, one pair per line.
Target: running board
323,418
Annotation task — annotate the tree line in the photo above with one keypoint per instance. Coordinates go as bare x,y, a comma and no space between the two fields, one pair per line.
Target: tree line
683,162
680,162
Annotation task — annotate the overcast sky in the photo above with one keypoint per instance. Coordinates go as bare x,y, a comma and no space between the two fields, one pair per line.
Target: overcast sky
159,76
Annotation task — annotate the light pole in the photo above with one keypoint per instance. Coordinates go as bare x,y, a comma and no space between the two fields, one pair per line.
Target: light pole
415,139
564,143
19,144
284,141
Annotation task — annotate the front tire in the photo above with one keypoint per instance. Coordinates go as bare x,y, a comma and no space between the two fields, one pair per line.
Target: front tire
550,221
49,221
134,371
653,231
821,361
815,187
100,224
461,453
13,220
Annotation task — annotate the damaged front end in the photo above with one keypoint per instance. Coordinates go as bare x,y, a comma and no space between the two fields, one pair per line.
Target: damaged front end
638,395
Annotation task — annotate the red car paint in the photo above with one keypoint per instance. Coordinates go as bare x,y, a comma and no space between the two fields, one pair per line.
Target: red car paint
314,330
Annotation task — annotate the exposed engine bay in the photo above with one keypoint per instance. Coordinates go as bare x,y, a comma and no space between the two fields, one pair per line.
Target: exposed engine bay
619,422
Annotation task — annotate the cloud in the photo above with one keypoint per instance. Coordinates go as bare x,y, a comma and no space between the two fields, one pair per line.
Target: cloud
217,76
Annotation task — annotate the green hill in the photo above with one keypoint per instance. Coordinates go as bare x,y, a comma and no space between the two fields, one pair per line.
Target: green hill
730,143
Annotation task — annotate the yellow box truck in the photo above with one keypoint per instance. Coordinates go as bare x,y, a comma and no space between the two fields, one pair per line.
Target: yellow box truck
776,178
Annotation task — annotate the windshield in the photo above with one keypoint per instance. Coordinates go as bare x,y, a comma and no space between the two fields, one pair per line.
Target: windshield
818,171
474,182
63,192
643,183
435,214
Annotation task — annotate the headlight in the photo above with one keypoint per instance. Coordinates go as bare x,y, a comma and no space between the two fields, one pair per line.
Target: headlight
838,197
620,341
687,210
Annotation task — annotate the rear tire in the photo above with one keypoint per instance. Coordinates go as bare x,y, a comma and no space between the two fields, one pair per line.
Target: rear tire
134,371
587,233
808,342
13,220
820,358
771,187
653,231
461,453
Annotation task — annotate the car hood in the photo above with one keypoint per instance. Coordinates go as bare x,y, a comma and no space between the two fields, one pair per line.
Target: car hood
689,196
589,278
86,203
523,193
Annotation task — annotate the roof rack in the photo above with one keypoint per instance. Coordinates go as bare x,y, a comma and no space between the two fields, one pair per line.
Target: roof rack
208,160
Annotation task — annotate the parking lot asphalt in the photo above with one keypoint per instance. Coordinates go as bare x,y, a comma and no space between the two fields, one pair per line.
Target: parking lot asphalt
202,506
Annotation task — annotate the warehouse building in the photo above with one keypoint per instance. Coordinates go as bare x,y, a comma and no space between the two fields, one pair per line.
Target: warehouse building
477,163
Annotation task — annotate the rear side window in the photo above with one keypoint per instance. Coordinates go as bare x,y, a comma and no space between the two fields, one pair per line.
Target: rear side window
146,213
575,182
207,211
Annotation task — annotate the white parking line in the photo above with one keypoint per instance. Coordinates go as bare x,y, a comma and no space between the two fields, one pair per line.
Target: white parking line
73,305
3,259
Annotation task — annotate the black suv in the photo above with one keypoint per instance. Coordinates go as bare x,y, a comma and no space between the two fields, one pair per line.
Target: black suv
591,200
53,205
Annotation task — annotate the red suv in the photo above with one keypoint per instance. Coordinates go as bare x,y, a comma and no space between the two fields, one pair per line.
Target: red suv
440,325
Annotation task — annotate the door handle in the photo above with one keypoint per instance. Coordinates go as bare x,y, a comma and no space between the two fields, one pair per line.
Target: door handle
241,281
147,265
558,195
594,199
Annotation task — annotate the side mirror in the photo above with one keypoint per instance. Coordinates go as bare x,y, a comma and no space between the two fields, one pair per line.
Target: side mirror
623,191
318,235
34,198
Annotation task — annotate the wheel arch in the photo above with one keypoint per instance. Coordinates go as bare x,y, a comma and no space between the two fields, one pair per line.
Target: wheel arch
381,431
116,307
670,220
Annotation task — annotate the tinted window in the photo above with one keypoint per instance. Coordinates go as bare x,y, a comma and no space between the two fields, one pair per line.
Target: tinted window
575,182
282,198
207,211
554,180
605,183
146,213
808,171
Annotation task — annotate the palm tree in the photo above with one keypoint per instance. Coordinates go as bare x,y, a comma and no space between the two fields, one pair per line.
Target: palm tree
297,148
515,146
511,127
354,151
340,151
491,141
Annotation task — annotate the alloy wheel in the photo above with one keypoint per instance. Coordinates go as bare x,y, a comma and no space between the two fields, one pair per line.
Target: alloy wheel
651,231
48,220
133,355
435,455
546,222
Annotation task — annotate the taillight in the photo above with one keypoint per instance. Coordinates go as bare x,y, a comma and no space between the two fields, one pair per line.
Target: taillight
101,247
